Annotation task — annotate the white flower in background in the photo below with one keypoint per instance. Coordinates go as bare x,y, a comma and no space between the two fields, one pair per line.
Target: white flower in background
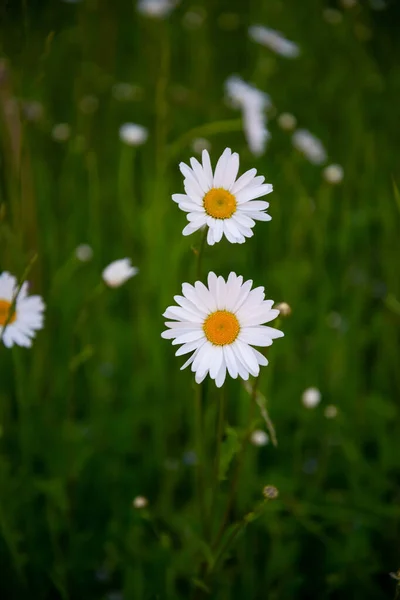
331,411
287,121
156,8
84,252
225,204
219,324
61,132
132,134
259,438
333,174
274,40
311,397
310,146
27,317
253,104
118,272
200,144
140,502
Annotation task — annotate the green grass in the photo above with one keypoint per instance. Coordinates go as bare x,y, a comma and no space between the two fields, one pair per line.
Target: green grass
97,412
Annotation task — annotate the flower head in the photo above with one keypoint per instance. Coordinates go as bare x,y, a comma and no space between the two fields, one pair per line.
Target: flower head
225,204
118,272
310,146
132,134
274,40
259,437
333,174
219,325
158,9
311,397
253,104
27,316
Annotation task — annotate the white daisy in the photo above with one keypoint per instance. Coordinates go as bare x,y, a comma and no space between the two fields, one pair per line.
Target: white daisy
310,146
225,204
311,397
219,325
132,134
253,104
119,271
27,316
274,40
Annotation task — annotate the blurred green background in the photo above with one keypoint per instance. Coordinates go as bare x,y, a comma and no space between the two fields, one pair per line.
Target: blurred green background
97,412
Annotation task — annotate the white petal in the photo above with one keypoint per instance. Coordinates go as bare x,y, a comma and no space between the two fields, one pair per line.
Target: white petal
253,192
208,173
243,181
220,169
219,380
230,361
231,171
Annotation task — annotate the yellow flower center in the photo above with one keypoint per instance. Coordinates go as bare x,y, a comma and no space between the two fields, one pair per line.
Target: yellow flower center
221,328
219,203
5,307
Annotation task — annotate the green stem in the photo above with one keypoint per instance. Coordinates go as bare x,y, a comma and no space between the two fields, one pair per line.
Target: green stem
200,458
239,465
200,253
220,430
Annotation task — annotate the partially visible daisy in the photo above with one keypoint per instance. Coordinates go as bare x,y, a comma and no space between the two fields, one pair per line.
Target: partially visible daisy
310,146
27,316
227,205
118,272
274,40
253,104
219,325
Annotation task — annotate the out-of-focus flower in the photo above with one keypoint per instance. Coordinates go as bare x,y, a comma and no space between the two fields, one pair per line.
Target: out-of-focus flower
310,146
333,174
253,104
132,134
84,252
284,309
19,326
194,17
274,40
332,16
331,411
61,132
219,325
259,438
200,144
226,205
32,110
287,121
140,502
118,272
311,397
270,492
125,92
157,9
88,104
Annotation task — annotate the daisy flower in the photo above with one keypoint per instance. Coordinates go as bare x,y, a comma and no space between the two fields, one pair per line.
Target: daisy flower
310,146
118,272
225,204
274,40
27,316
219,325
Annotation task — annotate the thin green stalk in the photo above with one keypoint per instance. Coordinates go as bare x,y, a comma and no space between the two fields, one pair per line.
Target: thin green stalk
239,465
200,253
200,458
125,187
220,430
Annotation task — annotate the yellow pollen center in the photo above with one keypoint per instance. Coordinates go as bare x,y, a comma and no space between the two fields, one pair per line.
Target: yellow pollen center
219,203
221,328
4,311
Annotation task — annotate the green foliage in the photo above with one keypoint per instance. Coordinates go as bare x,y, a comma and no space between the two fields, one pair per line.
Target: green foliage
97,412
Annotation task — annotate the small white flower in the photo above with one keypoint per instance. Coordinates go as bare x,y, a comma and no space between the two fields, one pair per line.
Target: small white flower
274,40
132,134
157,9
225,204
27,317
200,144
287,121
84,252
259,438
310,146
140,502
333,174
118,272
61,132
311,397
331,411
253,104
219,325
